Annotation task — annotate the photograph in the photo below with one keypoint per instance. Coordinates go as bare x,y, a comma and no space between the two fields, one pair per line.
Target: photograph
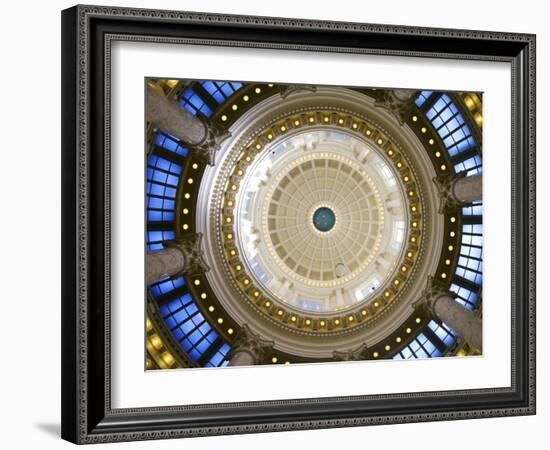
296,223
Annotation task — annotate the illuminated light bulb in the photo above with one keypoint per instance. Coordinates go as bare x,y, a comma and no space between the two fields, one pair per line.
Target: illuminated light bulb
369,132
270,136
308,322
437,154
257,90
229,236
423,129
337,322
228,219
443,275
187,195
224,118
256,294
312,119
322,323
350,319
280,312
450,248
197,282
234,107
185,226
274,360
258,146
203,295
233,252
185,211
283,128
408,331
220,320
387,348
267,304
340,121
326,119
410,254
398,339
418,320
452,234
448,262
230,331
238,267
195,166
355,125
190,180
211,308
246,281
375,354
414,118
453,219
246,98
364,312
296,122
443,167
293,318
431,142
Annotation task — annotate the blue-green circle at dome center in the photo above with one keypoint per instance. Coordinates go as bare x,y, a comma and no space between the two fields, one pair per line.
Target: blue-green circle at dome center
324,219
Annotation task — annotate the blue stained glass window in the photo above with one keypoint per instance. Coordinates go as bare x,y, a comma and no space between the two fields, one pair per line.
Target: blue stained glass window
164,287
475,210
162,180
220,91
470,264
155,239
170,143
450,126
443,332
422,97
193,103
471,165
420,347
466,297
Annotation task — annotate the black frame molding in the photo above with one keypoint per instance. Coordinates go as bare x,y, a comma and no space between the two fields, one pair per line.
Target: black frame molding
87,33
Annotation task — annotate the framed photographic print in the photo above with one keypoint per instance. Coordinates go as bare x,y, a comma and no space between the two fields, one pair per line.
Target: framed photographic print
282,224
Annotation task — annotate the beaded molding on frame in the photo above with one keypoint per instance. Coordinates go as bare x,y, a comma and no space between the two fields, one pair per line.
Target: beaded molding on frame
84,12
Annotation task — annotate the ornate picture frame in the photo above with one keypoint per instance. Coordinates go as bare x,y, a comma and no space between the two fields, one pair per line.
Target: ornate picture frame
88,33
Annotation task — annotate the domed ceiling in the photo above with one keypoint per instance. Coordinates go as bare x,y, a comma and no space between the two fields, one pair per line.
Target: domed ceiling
321,213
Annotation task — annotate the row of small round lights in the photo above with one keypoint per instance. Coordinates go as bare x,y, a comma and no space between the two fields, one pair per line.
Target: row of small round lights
187,195
246,283
211,308
431,141
398,339
243,100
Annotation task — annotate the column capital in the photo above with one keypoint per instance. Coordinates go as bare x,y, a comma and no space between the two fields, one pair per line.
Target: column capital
248,341
190,246
445,186
206,149
289,89
397,101
432,292
358,354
